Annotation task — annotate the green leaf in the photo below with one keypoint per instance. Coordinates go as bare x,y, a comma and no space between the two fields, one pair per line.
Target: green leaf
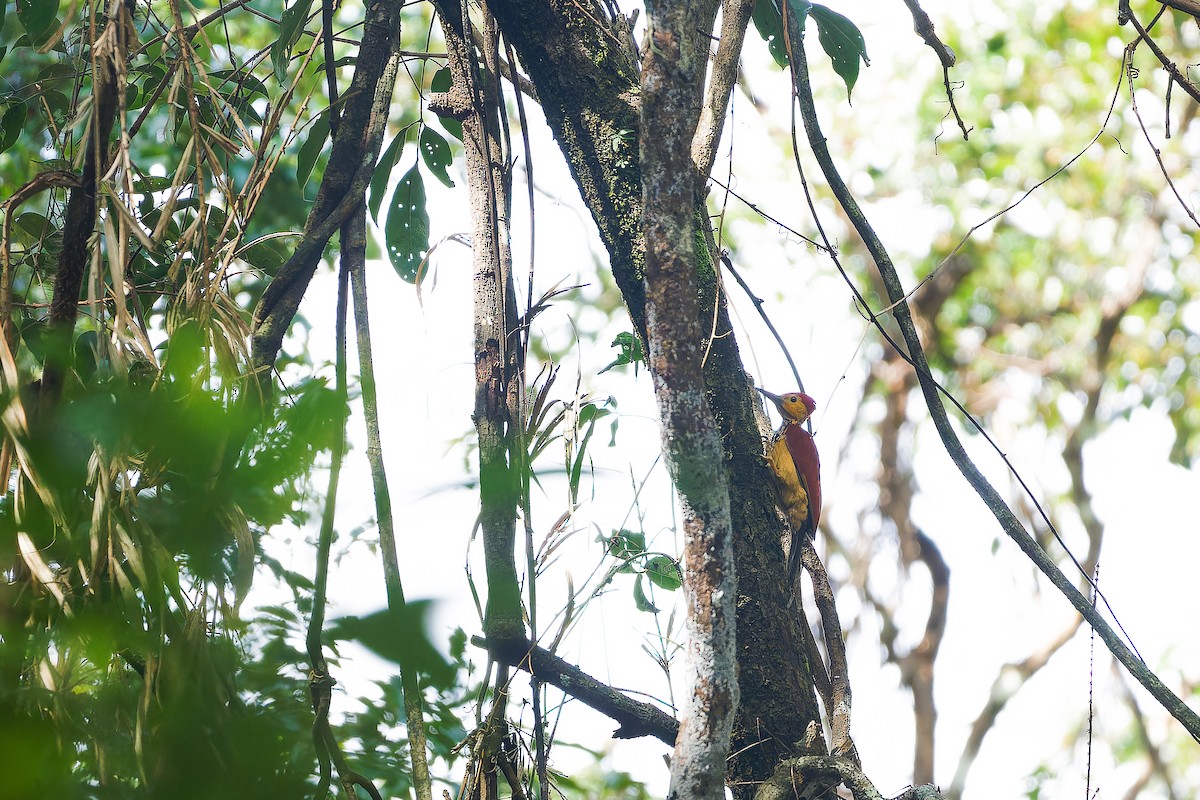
639,598
443,82
626,543
310,151
400,636
768,19
267,254
436,154
383,171
631,352
843,42
664,573
627,546
406,231
291,25
37,17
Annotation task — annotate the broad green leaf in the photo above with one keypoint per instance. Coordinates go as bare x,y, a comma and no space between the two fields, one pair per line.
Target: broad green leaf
843,42
37,17
768,19
291,25
406,231
383,171
639,598
664,573
33,226
626,543
310,151
400,636
442,80
840,37
10,125
85,355
436,154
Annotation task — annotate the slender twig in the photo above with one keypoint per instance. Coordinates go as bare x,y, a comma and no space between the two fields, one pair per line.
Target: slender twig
758,306
1169,65
825,248
320,682
1129,72
923,26
541,755
331,85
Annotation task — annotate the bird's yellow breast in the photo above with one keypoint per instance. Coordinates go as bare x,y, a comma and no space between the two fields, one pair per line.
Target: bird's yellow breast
792,496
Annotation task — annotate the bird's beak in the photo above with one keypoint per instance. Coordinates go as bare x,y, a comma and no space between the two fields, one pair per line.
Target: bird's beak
774,398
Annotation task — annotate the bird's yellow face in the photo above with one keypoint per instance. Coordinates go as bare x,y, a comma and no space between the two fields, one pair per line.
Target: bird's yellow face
794,406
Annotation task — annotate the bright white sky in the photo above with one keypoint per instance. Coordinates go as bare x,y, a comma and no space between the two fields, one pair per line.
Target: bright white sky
997,612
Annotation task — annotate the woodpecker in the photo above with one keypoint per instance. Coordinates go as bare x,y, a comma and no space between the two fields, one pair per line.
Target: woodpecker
792,457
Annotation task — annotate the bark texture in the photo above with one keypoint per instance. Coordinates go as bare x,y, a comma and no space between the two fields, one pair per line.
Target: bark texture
672,85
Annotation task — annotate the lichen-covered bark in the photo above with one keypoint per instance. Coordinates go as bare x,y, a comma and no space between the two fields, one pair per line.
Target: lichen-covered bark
587,84
672,84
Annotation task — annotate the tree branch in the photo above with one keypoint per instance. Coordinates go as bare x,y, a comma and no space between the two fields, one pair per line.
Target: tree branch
636,718
837,706
351,165
813,776
735,16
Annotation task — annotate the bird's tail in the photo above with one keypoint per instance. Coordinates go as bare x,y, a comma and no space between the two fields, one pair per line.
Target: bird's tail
793,567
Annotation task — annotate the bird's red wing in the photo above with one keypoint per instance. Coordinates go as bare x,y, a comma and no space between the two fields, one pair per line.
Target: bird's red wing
808,467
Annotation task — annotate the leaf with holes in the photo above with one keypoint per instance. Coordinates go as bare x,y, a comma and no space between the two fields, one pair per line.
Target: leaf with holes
768,19
843,42
435,152
406,231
